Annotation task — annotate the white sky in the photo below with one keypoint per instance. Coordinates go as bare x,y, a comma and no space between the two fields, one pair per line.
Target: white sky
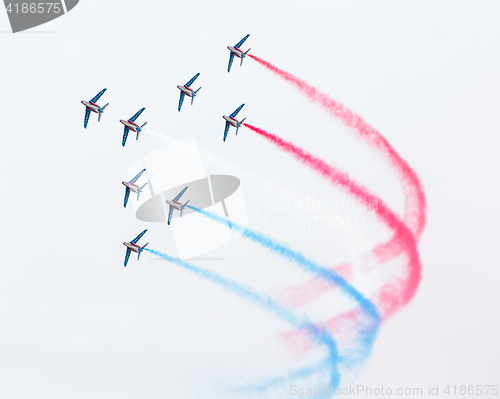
75,323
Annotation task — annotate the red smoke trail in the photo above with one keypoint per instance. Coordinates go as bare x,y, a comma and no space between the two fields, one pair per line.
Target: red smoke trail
415,202
398,293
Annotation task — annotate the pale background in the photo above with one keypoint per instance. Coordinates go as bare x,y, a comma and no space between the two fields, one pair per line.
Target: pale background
76,324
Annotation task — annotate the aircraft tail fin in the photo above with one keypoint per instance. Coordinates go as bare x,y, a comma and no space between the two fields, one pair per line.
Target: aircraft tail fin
139,130
184,206
101,111
245,53
194,94
140,191
239,124
140,251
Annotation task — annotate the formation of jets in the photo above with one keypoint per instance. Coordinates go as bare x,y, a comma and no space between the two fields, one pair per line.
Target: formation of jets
131,125
186,90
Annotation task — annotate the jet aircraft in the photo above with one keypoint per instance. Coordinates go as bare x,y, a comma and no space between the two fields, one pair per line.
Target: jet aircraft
236,51
132,186
131,125
175,204
91,106
187,91
132,246
232,121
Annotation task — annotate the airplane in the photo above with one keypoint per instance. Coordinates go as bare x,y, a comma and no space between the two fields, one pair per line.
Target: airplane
187,91
131,125
132,246
232,121
175,204
91,106
236,51
131,186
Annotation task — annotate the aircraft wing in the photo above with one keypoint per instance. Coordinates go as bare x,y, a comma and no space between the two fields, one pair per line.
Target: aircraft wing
171,210
137,115
98,96
181,100
127,255
231,58
226,130
87,115
188,84
137,176
127,193
237,110
125,135
139,236
242,41
180,194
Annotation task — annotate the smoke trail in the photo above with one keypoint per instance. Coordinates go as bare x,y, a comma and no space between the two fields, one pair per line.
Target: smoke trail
266,303
368,331
392,301
415,202
270,186
164,137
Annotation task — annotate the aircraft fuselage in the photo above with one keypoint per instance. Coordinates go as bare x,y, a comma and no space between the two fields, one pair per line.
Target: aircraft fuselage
236,51
132,246
186,90
232,121
92,106
175,204
132,186
131,125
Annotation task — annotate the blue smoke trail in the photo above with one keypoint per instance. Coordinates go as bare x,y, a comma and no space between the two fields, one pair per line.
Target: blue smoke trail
369,331
267,303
